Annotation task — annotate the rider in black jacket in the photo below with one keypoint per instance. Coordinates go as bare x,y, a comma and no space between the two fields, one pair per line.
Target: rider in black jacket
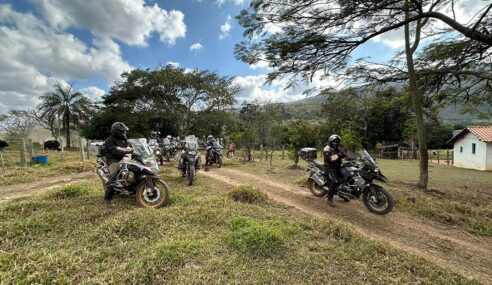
116,147
333,154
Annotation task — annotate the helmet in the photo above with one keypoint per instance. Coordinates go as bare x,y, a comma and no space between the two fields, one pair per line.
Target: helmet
169,137
210,137
153,134
119,129
334,137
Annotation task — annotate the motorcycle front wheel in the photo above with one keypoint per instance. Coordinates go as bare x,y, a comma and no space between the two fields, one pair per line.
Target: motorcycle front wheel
315,189
219,161
155,197
378,200
190,174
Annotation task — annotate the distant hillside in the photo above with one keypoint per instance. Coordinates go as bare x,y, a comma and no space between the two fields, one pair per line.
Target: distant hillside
309,107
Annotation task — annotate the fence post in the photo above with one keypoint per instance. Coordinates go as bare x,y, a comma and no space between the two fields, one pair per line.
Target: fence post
447,156
82,154
437,156
283,152
22,148
61,152
261,152
1,157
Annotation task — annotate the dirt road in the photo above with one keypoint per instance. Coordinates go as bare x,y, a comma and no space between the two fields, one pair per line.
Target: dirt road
448,247
42,185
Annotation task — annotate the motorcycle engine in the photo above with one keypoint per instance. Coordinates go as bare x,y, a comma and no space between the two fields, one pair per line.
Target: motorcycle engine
128,177
357,182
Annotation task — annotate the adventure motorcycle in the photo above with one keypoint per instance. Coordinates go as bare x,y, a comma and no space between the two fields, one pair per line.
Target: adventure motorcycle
357,179
156,149
137,175
188,161
214,154
167,149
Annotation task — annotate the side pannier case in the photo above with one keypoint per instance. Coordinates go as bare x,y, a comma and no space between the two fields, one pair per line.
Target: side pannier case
308,153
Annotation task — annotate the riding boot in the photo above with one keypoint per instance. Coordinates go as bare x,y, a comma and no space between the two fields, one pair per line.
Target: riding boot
108,194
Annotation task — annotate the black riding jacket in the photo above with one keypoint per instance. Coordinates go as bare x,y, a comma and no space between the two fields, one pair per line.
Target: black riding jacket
115,148
330,161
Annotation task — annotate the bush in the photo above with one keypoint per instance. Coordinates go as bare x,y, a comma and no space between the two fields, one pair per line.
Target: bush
247,194
70,191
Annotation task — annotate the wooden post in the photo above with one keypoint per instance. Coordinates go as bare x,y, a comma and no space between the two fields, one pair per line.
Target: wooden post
452,157
447,156
61,152
31,150
22,148
261,152
1,157
437,156
82,154
283,152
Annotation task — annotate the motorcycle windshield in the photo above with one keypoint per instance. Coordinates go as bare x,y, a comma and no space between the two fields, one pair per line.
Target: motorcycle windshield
141,148
166,141
153,143
191,143
366,158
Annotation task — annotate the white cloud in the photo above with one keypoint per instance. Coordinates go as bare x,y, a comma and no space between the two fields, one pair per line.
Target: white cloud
36,56
173,63
93,92
132,22
236,2
196,47
225,28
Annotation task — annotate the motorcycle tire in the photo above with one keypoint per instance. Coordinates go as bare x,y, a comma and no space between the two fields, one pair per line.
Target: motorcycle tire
160,199
219,161
315,189
161,160
190,174
373,204
168,157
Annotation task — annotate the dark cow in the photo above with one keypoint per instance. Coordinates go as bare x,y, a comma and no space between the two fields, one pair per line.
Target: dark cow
3,144
52,144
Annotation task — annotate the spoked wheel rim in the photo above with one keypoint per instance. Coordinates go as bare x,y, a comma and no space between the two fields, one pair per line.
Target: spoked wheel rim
154,197
378,201
315,189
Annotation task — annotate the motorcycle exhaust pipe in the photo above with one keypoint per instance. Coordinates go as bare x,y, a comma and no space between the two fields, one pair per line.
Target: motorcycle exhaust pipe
102,175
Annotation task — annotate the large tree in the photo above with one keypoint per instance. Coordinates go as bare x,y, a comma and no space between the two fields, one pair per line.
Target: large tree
319,36
17,124
65,108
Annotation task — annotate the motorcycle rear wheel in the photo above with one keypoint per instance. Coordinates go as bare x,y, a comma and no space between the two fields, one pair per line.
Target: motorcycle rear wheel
190,174
155,200
315,189
382,204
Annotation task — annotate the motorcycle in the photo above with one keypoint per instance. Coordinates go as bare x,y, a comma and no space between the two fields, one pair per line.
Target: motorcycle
214,154
188,161
156,149
167,149
357,180
137,175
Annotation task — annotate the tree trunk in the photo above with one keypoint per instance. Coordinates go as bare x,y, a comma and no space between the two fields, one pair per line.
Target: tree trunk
67,126
417,98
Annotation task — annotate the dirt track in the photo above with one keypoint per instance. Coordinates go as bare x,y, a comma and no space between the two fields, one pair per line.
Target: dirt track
42,185
448,247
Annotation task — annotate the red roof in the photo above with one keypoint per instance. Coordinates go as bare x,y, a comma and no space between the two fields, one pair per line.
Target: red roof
483,133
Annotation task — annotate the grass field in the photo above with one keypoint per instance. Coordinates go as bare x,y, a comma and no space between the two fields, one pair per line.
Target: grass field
456,197
206,236
15,174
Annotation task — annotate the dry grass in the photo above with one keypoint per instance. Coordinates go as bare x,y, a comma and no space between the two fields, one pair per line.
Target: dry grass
68,236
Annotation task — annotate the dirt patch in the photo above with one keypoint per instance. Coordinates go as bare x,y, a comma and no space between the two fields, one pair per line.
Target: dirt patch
448,247
42,185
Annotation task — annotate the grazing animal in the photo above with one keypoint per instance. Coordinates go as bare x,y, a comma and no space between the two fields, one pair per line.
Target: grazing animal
52,144
3,144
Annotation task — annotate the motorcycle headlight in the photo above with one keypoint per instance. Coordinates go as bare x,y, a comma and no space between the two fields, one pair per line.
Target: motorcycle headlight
376,170
157,152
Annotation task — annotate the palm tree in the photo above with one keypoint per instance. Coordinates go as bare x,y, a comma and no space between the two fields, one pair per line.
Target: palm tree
62,104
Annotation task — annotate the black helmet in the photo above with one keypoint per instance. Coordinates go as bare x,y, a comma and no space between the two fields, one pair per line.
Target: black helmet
119,129
153,134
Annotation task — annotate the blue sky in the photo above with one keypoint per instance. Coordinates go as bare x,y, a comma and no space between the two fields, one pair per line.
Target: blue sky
88,43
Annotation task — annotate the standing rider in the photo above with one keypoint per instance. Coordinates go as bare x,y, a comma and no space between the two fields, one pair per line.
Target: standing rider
117,147
209,144
333,155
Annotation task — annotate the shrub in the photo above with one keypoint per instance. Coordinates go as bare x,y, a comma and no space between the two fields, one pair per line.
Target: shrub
247,194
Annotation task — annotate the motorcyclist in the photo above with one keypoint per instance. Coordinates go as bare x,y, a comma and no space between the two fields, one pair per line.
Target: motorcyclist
116,146
333,154
209,145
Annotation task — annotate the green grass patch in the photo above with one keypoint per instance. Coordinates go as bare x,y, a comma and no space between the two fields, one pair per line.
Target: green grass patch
69,191
247,194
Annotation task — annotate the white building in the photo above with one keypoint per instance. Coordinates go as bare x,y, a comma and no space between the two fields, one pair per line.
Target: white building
473,148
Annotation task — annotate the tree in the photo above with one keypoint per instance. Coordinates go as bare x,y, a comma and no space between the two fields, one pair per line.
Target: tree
320,35
301,134
61,104
169,99
17,124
